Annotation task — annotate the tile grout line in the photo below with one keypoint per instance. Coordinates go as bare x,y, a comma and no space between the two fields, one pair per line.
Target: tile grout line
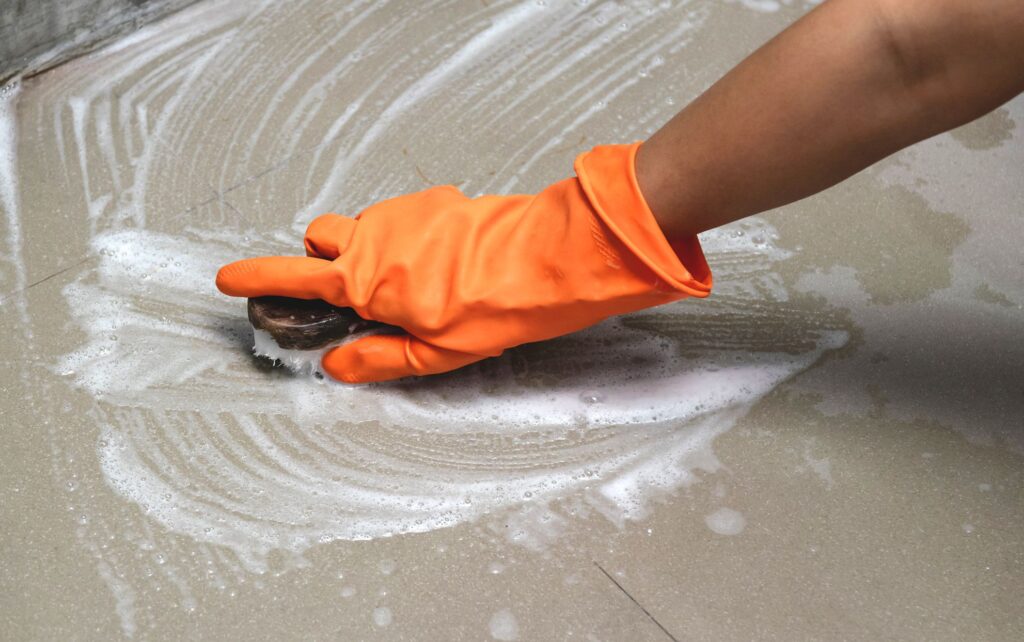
278,164
217,196
9,295
273,167
232,207
632,599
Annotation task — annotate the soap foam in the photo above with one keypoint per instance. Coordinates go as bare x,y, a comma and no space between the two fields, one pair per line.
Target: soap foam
504,626
226,465
298,361
726,521
301,361
612,416
9,197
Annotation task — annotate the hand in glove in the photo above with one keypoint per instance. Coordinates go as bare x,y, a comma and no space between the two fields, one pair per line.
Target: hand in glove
467,278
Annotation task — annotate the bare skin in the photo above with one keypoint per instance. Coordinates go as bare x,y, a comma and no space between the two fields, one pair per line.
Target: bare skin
850,83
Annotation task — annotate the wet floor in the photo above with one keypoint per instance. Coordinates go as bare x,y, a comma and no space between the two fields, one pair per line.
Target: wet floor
831,446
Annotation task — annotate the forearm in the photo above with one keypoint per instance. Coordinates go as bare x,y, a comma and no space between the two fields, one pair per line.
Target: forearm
847,85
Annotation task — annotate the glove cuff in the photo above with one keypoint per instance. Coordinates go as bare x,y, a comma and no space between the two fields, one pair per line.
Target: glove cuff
607,174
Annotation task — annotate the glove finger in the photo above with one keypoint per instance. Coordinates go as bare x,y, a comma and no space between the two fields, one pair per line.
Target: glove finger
328,235
299,277
391,356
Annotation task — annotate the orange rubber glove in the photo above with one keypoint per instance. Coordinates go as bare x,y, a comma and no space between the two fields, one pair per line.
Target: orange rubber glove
467,278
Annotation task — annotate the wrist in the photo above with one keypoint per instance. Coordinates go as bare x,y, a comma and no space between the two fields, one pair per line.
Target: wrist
608,177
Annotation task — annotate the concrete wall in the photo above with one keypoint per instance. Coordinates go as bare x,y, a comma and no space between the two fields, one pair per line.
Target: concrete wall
38,34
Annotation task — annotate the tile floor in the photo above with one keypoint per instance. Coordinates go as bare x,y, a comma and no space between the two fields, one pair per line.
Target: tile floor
831,447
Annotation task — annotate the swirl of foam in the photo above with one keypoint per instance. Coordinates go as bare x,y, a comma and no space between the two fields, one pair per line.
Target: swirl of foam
215,446
219,108
199,107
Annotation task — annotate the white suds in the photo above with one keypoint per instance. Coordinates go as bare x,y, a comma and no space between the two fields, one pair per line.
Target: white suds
772,6
382,616
504,626
252,465
9,197
627,409
298,361
726,521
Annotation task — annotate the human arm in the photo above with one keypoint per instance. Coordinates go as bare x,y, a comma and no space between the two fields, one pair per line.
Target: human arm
845,86
466,278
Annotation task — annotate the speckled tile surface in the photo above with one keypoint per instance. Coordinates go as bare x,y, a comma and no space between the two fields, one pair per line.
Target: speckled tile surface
830,447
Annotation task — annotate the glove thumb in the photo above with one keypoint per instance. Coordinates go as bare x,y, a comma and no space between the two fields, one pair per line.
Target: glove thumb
383,357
